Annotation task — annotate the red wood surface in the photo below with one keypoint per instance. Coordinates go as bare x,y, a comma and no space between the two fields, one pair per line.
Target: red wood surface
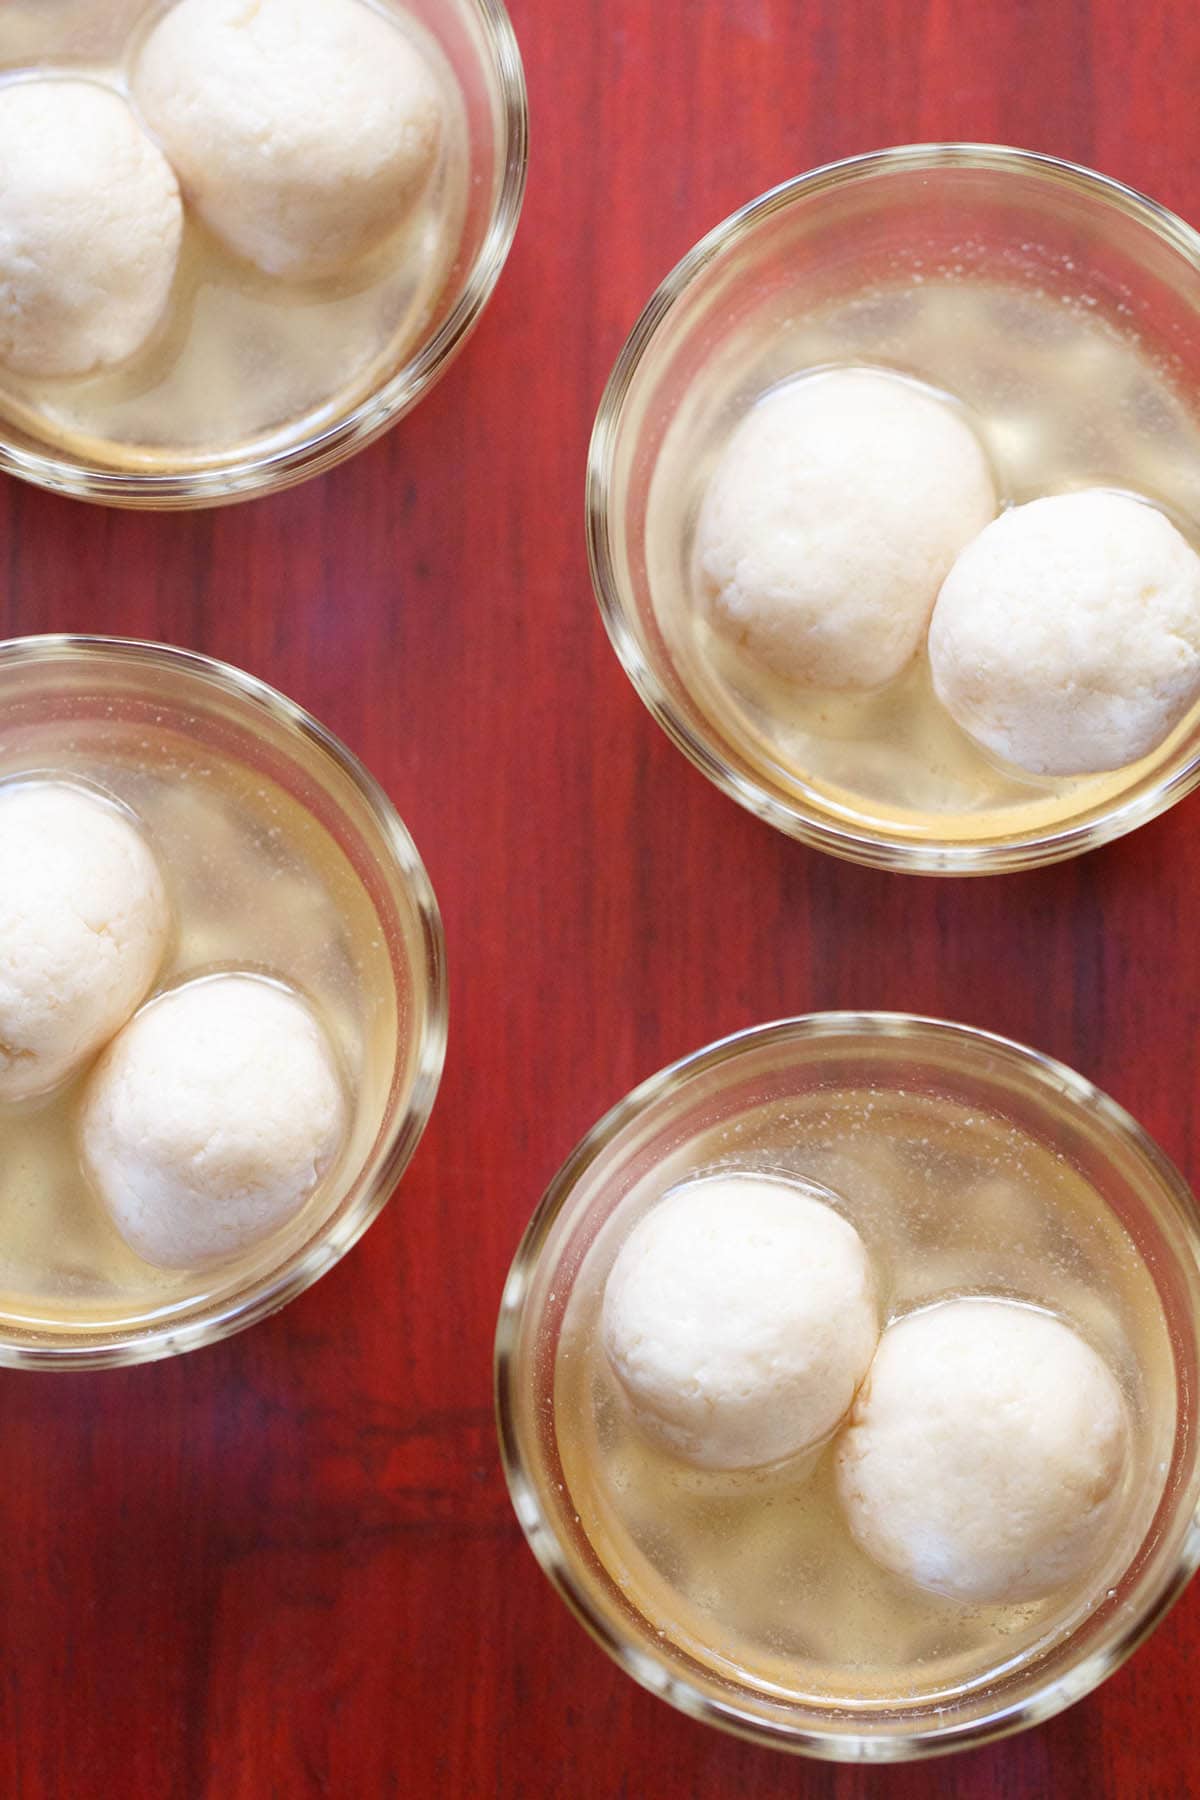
287,1565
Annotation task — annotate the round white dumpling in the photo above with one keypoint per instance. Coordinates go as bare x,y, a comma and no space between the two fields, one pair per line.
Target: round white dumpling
1066,638
84,922
90,228
739,1317
985,1453
302,130
830,522
212,1118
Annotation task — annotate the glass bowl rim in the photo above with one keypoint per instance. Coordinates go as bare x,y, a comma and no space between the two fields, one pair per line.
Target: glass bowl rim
803,1029
795,818
392,1151
256,474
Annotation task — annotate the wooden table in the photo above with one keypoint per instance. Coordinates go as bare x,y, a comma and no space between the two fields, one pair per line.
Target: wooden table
287,1566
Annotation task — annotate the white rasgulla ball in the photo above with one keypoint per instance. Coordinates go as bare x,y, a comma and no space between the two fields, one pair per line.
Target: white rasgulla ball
985,1452
302,130
739,1317
1066,638
830,522
212,1118
90,228
84,921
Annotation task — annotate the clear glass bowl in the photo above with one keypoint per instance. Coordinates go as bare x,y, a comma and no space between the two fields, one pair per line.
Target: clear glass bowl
714,1090
838,237
67,701
477,40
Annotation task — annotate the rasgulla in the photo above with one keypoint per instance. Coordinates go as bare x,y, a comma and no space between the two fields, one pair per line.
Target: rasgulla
84,921
212,1118
1066,638
301,130
831,520
739,1318
90,228
985,1452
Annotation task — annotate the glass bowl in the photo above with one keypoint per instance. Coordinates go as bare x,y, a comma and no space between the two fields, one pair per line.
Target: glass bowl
1075,276
477,41
81,707
665,1128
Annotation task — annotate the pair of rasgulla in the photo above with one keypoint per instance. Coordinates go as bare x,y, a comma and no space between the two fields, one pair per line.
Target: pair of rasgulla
986,1441
214,1111
853,512
299,130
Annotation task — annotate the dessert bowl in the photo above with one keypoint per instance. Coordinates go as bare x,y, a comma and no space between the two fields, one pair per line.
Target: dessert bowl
1045,1190
285,860
111,439
1060,309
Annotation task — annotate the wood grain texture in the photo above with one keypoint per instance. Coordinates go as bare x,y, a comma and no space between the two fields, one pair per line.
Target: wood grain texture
286,1566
